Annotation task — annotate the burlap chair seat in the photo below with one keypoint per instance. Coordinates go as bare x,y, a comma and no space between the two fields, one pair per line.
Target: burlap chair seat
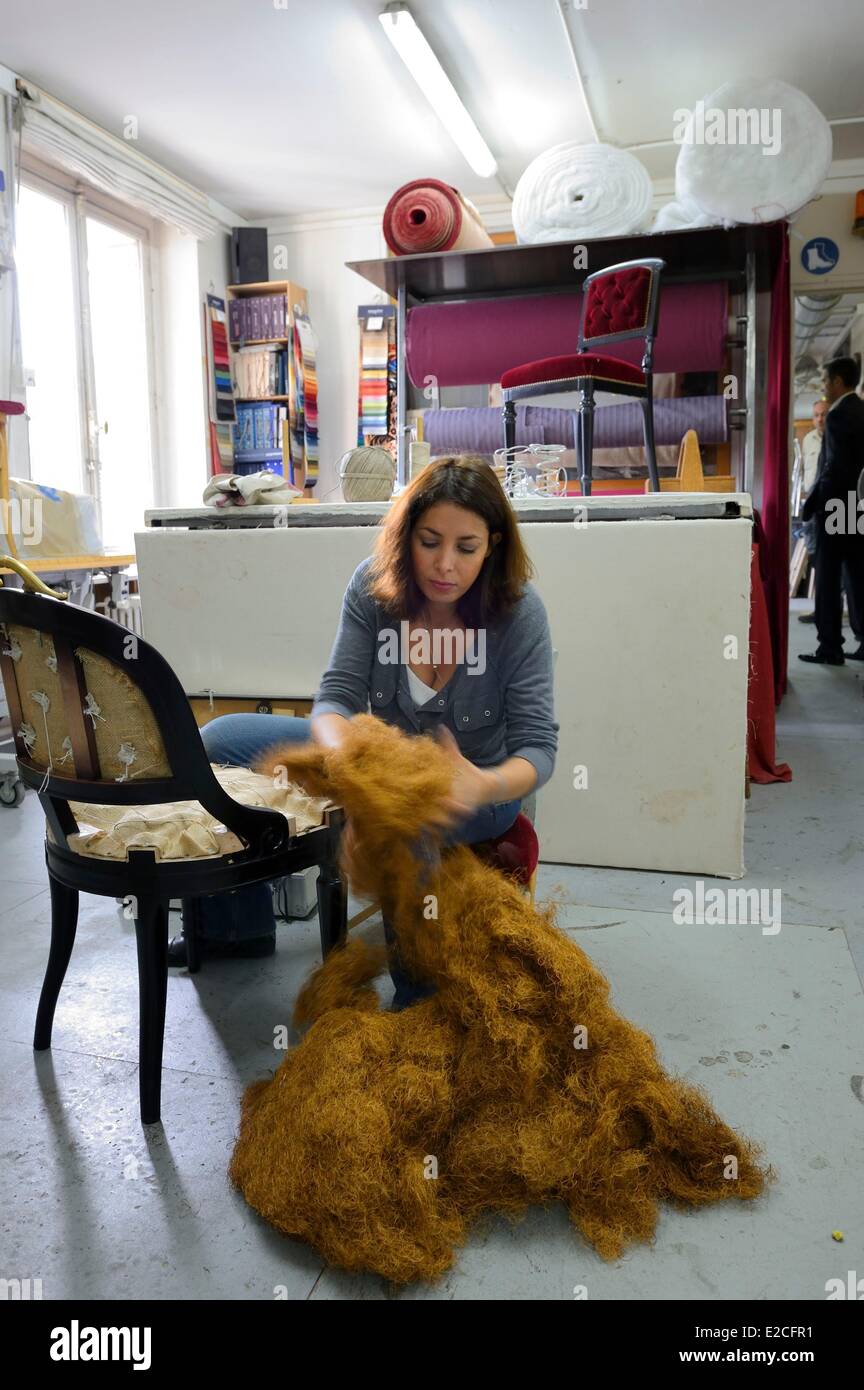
184,829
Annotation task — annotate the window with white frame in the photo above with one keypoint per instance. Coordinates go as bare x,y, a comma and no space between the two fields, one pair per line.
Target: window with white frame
84,292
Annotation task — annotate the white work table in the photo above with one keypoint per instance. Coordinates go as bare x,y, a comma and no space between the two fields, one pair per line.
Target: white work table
648,604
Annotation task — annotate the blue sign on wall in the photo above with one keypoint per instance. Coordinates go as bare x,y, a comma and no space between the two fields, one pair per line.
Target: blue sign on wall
819,255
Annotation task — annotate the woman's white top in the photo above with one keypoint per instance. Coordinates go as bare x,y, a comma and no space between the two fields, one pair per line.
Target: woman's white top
421,693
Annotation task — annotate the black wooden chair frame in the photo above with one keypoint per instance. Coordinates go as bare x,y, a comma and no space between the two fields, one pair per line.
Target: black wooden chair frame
270,852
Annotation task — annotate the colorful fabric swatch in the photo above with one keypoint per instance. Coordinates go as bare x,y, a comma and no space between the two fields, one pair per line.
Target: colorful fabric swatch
377,389
221,391
221,448
306,351
376,422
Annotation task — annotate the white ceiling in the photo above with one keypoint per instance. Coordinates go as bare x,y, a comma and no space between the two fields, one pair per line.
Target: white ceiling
281,106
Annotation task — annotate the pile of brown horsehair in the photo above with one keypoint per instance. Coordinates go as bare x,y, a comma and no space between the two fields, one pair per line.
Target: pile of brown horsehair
383,1136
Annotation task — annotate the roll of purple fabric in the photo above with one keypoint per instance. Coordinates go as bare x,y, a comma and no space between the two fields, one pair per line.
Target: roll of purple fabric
480,431
473,342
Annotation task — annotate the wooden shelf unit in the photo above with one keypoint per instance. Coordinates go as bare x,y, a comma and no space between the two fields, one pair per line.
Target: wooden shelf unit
297,297
295,294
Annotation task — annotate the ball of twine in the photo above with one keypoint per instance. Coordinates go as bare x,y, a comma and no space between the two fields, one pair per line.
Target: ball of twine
367,474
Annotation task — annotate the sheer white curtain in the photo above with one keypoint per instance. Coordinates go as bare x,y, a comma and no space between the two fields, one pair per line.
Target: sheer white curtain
60,135
11,369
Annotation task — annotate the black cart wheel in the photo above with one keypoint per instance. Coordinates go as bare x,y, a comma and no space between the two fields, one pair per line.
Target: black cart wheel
11,792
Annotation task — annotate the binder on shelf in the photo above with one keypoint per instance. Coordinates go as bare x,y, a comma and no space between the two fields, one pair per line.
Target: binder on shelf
262,316
274,364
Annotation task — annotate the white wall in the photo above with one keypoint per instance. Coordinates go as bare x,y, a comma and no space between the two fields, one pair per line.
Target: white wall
185,272
830,215
181,437
314,256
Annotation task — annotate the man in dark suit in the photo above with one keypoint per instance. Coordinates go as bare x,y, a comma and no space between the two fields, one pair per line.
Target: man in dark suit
839,524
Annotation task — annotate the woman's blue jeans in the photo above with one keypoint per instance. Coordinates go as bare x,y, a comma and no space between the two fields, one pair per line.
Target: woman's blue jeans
240,740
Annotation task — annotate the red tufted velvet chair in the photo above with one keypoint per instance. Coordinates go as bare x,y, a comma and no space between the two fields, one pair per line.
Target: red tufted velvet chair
617,303
515,853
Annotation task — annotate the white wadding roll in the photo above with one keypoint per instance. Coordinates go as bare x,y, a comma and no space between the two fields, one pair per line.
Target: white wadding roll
582,191
761,169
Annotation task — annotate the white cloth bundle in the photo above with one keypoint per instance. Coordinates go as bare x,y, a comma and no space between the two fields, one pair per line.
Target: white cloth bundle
46,521
249,490
677,216
581,191
755,150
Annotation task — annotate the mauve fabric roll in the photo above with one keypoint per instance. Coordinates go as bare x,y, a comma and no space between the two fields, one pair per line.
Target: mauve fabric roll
428,215
472,342
481,430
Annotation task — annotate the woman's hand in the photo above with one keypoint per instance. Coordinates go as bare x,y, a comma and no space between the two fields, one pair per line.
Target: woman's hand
471,786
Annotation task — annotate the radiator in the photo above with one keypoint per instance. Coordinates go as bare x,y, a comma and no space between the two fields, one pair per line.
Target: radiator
128,613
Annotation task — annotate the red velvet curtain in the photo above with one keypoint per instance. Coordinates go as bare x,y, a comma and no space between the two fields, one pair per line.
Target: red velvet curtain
774,549
761,755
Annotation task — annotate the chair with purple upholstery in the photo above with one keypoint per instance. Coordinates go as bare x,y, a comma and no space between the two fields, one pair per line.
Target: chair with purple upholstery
617,303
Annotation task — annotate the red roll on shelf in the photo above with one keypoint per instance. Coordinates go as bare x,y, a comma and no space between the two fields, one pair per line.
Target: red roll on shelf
428,215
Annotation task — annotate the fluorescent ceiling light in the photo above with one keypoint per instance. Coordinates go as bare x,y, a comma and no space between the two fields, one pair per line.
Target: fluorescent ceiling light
418,57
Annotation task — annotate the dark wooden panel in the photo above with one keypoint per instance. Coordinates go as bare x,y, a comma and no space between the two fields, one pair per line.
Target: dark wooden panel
13,699
81,733
701,253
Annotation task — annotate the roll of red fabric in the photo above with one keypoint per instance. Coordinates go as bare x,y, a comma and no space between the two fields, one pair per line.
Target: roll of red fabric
428,215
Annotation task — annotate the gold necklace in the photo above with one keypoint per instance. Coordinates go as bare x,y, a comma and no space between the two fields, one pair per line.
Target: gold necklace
435,672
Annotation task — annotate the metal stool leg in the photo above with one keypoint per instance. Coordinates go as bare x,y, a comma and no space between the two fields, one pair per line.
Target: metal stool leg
586,436
648,429
509,416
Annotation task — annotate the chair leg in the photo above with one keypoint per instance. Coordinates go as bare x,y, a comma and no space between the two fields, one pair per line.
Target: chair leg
191,935
650,450
586,437
151,931
64,922
509,424
332,907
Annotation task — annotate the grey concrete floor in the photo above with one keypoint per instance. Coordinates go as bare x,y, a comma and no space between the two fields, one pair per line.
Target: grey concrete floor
773,1027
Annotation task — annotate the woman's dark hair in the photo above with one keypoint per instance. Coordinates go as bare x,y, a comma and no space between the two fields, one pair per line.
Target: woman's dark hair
469,482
